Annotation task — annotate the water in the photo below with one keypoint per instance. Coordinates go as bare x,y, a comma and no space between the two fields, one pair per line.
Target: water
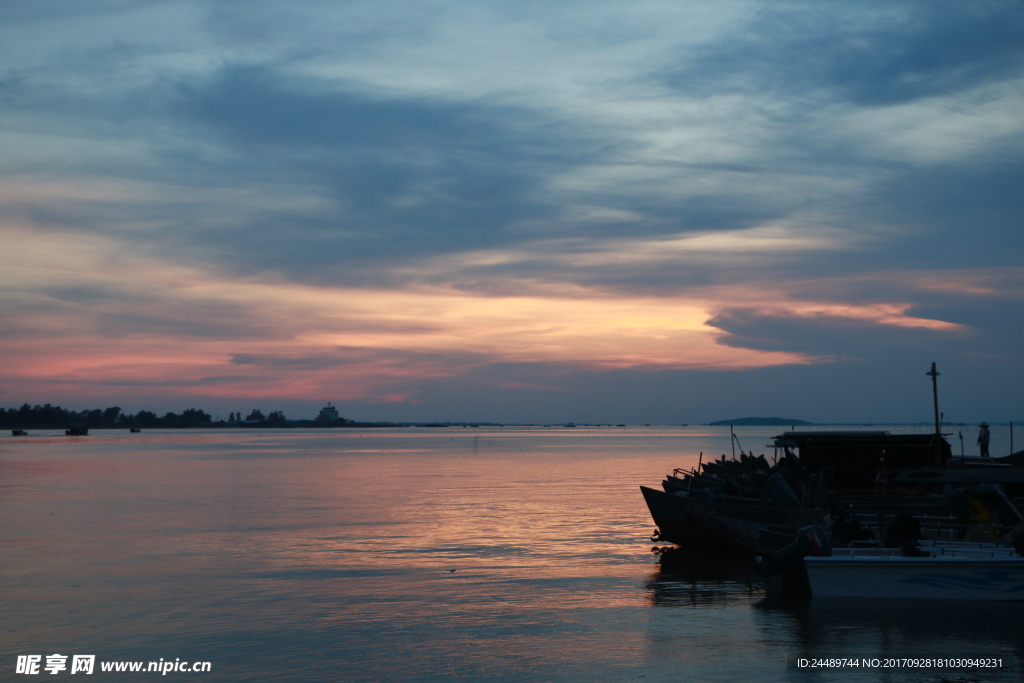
415,555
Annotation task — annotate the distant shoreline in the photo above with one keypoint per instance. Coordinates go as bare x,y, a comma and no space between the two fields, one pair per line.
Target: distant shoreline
760,422
48,416
309,424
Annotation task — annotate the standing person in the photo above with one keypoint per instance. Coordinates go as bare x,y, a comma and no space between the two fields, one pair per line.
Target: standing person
983,439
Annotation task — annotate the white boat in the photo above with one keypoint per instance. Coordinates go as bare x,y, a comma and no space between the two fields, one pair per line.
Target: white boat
948,570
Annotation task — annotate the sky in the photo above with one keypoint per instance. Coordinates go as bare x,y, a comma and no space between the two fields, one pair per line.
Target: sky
642,212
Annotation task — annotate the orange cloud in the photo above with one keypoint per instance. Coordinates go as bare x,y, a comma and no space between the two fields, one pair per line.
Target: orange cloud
93,313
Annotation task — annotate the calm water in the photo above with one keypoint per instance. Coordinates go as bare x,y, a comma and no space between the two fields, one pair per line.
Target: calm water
306,555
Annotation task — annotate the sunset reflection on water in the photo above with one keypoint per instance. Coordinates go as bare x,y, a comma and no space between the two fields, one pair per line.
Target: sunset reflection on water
408,555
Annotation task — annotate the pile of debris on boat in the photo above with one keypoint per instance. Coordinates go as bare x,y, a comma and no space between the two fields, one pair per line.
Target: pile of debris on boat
863,489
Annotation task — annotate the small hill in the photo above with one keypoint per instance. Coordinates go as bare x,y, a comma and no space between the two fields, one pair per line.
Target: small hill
759,421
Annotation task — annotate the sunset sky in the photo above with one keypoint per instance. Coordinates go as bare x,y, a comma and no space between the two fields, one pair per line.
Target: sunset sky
594,211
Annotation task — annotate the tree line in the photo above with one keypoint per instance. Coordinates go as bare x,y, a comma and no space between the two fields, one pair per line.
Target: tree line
257,416
55,417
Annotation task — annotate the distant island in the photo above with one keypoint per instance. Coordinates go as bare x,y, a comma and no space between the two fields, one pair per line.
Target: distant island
759,421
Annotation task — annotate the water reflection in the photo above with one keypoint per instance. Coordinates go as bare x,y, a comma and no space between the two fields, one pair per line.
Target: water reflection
325,556
686,577
899,628
714,591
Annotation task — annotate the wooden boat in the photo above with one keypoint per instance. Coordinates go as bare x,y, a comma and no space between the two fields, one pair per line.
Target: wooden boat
19,432
76,430
955,571
750,529
734,504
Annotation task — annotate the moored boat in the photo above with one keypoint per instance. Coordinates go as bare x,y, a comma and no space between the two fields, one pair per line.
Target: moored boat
957,571
751,529
745,505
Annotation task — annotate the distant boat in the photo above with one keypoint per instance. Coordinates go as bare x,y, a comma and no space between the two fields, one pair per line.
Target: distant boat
76,430
134,430
19,432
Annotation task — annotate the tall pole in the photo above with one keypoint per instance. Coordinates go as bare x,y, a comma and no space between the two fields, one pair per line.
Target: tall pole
934,374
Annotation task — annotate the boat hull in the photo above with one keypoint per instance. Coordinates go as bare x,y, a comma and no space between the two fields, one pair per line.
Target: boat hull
745,529
953,578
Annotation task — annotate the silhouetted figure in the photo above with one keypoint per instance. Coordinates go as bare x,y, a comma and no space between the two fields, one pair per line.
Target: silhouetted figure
846,528
904,532
983,439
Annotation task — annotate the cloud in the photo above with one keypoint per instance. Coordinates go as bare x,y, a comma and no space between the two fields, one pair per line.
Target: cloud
403,173
390,201
874,54
827,335
969,211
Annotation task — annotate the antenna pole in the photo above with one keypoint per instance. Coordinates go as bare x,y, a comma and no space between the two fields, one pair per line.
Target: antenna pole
934,374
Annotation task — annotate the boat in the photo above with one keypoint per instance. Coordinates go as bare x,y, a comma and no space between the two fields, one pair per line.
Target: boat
19,432
76,430
853,459
943,570
915,568
744,505
845,481
691,521
135,430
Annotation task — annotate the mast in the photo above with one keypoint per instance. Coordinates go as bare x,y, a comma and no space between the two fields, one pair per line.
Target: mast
934,374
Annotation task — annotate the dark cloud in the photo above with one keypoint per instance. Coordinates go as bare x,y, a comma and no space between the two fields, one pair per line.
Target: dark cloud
258,106
825,335
119,312
996,322
412,177
870,54
410,173
964,214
